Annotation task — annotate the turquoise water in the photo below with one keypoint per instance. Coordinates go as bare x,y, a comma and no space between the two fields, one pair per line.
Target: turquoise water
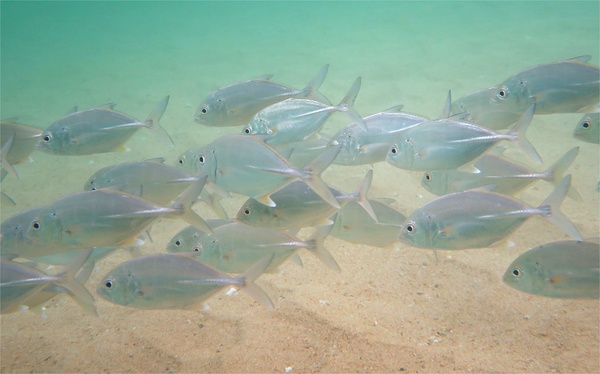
55,55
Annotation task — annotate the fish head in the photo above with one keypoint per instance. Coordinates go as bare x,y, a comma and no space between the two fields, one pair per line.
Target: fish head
258,125
46,228
587,128
350,145
435,181
194,161
212,111
524,274
254,213
120,286
55,140
402,154
13,231
420,230
184,240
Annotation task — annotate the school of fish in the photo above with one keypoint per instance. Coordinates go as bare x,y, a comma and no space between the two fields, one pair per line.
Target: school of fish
275,155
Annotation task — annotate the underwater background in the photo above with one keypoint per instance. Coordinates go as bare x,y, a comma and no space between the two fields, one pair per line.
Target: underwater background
390,309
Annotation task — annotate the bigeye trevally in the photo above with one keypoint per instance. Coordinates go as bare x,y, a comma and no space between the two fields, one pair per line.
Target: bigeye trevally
97,130
237,103
175,281
297,119
564,269
588,128
478,219
246,165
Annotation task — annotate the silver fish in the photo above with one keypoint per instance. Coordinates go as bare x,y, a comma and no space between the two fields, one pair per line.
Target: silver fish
24,139
296,119
236,104
588,128
97,130
449,144
88,219
245,165
20,282
361,147
233,247
174,281
354,224
501,175
478,219
186,239
563,269
300,154
297,205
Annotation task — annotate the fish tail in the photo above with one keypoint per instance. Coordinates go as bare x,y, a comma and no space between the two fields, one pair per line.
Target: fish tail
247,278
517,134
212,200
75,289
317,247
362,195
347,105
556,171
312,89
153,120
183,204
311,174
4,160
551,207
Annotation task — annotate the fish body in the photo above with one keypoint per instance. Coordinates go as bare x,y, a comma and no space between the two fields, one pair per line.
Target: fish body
563,269
448,144
360,146
354,224
151,179
97,130
174,281
501,175
588,128
478,219
245,165
233,247
300,154
296,119
237,103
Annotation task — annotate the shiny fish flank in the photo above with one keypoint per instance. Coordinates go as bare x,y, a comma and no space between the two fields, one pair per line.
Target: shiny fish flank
296,119
245,165
449,144
97,130
360,147
588,128
478,219
236,104
174,281
563,269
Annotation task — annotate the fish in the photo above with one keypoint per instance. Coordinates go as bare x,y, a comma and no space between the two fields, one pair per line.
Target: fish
234,246
563,269
98,130
588,128
501,175
185,240
297,205
360,147
479,219
20,282
448,144
237,103
297,119
175,281
354,224
300,154
100,218
569,86
24,139
247,166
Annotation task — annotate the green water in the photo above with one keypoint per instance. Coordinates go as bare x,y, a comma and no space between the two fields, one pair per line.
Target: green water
55,55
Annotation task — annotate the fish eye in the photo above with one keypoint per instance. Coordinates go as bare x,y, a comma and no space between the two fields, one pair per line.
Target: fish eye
503,93
198,249
204,110
428,177
585,124
247,211
94,188
47,138
178,243
36,225
201,159
411,228
517,272
247,130
108,284
182,161
394,149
